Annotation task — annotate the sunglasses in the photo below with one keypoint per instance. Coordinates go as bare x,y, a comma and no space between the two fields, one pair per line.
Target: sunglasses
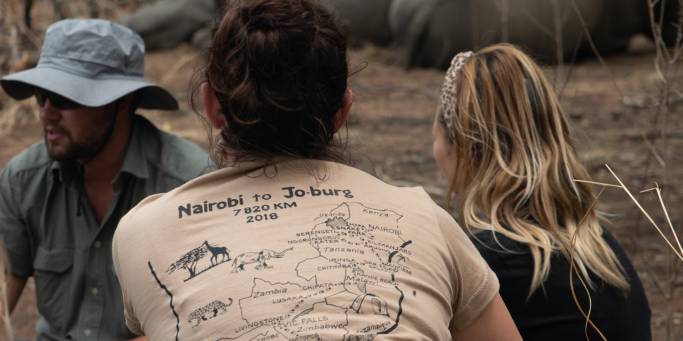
57,101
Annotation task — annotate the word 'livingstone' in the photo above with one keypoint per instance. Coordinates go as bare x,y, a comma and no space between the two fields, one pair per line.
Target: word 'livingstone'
190,209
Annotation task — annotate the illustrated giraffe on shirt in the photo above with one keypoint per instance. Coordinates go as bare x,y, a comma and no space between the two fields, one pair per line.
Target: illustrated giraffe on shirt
216,251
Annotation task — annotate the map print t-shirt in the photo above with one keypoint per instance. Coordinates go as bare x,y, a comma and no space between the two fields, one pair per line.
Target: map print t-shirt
300,250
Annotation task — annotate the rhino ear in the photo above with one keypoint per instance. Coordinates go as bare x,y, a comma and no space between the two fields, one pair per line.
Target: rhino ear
343,112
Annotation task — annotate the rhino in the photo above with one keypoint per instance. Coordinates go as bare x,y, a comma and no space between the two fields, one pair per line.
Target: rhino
363,21
57,8
621,19
168,23
427,33
430,32
439,29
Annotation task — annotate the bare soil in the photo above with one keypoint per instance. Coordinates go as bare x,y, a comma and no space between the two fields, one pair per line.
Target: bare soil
613,112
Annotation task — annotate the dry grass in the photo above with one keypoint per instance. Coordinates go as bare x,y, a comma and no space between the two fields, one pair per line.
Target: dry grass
678,249
666,65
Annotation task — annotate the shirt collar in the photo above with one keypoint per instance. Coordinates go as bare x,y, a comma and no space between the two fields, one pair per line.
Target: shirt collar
65,171
136,161
271,168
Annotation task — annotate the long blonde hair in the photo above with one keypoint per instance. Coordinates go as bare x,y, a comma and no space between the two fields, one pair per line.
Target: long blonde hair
516,166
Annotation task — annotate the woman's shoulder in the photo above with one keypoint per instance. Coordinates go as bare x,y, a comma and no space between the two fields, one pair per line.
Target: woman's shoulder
493,242
614,245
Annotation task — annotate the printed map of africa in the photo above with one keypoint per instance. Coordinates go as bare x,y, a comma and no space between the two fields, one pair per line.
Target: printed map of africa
351,289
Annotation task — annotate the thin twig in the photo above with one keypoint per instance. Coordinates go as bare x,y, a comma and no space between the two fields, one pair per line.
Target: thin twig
648,190
559,41
570,69
666,212
32,38
572,270
504,9
657,37
595,50
541,28
653,150
668,219
597,183
649,218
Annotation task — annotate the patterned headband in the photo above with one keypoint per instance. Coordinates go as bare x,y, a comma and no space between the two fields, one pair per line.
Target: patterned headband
448,92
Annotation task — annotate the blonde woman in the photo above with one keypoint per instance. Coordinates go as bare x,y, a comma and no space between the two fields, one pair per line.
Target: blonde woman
502,140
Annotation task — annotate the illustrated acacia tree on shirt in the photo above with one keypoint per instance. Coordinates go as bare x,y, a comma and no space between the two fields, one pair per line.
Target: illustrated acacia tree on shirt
189,261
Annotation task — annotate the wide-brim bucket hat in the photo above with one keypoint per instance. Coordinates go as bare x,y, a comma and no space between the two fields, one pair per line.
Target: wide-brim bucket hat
92,62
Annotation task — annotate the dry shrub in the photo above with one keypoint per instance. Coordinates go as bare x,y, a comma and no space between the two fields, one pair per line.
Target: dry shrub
17,115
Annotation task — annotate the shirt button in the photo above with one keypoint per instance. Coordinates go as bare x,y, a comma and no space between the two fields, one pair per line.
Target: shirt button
94,291
87,332
98,244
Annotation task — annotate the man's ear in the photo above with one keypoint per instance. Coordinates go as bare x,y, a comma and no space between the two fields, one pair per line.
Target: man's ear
212,109
343,112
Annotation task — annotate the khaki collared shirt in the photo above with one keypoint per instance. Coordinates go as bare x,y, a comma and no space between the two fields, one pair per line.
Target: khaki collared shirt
50,231
303,250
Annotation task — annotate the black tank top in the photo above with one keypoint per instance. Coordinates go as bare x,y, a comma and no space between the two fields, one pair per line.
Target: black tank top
550,313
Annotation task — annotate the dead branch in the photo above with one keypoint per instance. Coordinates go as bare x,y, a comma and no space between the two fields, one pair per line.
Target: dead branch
677,252
504,10
594,48
558,37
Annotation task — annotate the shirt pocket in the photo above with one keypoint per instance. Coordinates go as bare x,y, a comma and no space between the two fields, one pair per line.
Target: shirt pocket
53,278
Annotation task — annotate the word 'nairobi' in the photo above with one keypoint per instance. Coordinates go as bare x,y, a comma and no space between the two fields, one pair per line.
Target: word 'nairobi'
206,206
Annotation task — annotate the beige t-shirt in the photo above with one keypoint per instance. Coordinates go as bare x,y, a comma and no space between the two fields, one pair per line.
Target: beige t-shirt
304,250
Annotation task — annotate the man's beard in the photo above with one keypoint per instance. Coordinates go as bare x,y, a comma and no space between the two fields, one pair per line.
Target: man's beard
84,150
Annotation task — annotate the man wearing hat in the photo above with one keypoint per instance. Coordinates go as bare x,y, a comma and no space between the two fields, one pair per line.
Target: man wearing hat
61,199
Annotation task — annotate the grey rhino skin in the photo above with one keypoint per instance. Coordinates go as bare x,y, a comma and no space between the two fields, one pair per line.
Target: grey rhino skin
621,19
441,28
430,32
408,20
168,23
362,20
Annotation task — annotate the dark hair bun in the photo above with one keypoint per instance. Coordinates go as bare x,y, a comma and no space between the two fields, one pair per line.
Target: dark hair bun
279,70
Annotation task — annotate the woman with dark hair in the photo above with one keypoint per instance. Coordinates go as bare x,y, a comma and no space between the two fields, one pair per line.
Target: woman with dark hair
284,243
503,141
